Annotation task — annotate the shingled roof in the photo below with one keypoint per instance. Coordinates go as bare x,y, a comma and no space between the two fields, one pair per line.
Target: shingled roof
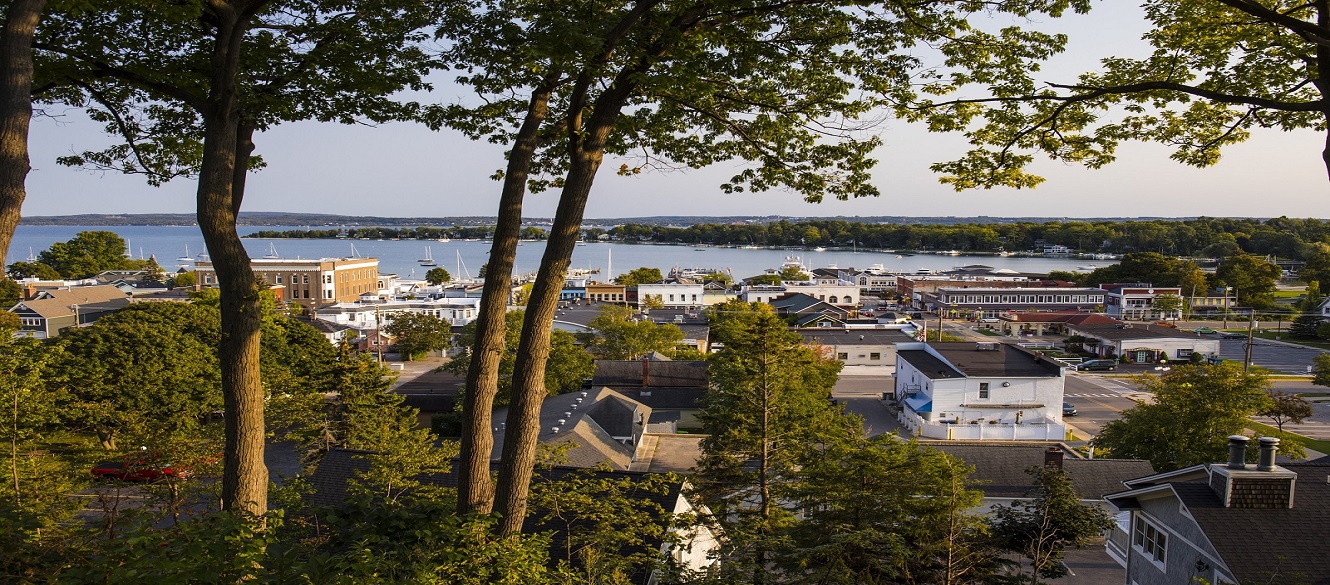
999,469
603,426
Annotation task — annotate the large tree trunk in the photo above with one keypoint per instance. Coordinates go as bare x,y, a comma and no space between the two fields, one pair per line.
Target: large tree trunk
519,445
15,112
475,492
227,143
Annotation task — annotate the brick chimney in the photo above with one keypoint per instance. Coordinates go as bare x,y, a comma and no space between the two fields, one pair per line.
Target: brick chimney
1264,485
646,372
1053,457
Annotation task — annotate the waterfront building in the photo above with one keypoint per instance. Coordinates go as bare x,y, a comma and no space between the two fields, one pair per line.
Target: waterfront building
310,282
1135,301
991,301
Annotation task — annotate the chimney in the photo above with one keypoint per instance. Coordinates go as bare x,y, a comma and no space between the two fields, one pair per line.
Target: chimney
1053,457
646,372
1237,452
1261,486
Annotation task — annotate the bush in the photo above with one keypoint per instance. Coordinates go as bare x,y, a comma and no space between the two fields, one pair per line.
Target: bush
1323,331
447,425
1305,327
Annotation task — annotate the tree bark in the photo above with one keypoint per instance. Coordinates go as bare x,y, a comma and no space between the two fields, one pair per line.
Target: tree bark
523,426
15,112
227,144
475,491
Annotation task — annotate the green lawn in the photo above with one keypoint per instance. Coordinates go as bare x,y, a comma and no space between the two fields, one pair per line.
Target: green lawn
1322,446
989,332
1285,337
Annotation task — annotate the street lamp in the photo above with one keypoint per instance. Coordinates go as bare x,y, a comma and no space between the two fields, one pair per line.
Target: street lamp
75,308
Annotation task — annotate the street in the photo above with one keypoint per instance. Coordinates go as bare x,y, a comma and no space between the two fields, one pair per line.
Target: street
1098,399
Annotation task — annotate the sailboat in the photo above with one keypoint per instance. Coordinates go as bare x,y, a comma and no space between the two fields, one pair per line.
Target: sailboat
186,257
272,251
428,260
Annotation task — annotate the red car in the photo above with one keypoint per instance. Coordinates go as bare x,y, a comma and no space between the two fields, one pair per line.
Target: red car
136,467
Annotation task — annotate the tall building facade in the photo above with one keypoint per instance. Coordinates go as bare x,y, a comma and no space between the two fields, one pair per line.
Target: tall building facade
310,282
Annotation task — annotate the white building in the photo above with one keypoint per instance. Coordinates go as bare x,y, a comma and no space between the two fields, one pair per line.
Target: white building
839,293
979,391
1145,343
673,295
1136,302
367,316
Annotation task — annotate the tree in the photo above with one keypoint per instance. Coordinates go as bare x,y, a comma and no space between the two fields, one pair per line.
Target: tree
886,510
437,276
720,278
767,408
1066,275
16,74
1312,301
1195,409
1321,369
183,280
1217,70
766,279
1287,407
651,302
638,276
190,98
1304,326
1040,529
783,106
614,335
1169,306
1317,266
569,364
36,270
10,293
1151,267
416,334
1252,278
87,254
792,273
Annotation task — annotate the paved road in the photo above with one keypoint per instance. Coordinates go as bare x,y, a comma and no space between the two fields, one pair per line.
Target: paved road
1270,354
1098,399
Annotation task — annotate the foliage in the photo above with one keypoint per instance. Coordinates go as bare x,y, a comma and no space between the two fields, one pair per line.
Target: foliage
1317,266
147,373
437,276
1066,276
766,279
1168,305
651,302
1195,409
1252,278
793,273
1321,369
1313,299
615,335
87,254
568,365
1305,326
184,279
608,527
767,409
1215,71
718,277
10,293
638,276
416,334
1148,267
1040,529
886,510
38,270
1287,407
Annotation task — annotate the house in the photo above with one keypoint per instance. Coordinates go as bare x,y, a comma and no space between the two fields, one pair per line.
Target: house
832,292
1039,323
690,545
694,324
366,316
1000,470
1134,302
984,391
605,293
1143,343
672,389
1216,302
1226,522
674,295
761,293
52,311
310,282
800,307
858,347
335,333
601,427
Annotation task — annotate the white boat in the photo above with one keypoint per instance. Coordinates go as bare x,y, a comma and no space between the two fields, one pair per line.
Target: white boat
186,257
428,260
272,251
444,239
1088,267
819,249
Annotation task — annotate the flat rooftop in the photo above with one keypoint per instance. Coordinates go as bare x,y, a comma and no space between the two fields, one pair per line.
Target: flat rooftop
966,359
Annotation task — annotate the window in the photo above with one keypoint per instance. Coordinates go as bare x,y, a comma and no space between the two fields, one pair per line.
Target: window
983,389
875,356
1150,541
327,279
278,279
305,280
327,294
842,356
1184,353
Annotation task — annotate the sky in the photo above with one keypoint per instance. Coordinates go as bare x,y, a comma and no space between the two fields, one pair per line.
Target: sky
407,170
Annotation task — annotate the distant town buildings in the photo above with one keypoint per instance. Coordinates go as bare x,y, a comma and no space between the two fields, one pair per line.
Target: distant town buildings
309,282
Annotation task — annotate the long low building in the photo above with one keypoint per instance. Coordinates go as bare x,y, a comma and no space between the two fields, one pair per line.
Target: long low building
366,316
995,301
859,347
1145,343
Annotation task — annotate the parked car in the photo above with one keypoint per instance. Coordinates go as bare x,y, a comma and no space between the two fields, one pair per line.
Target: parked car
136,467
1097,365
1233,335
1205,330
1166,324
1068,409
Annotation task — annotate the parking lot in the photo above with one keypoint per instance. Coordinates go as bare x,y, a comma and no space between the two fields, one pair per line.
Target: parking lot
1280,357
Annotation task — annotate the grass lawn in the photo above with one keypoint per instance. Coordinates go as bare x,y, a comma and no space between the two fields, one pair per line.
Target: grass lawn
1289,294
989,332
1316,343
1322,446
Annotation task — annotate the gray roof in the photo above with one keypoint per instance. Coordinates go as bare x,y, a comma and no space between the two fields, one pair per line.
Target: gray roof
591,424
1006,360
634,374
800,303
928,364
1119,332
999,469
855,336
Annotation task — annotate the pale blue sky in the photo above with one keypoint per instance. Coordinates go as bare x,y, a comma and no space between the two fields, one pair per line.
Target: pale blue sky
407,170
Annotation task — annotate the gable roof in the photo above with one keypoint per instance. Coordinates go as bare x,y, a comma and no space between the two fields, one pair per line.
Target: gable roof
999,469
592,422
1124,331
800,303
57,302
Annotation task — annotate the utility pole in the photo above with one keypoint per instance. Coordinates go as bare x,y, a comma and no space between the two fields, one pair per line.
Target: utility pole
1251,323
378,332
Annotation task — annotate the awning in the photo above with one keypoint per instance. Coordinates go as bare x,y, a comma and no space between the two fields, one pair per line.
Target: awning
919,404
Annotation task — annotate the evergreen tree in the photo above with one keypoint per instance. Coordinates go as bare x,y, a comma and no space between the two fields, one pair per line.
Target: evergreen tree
1040,529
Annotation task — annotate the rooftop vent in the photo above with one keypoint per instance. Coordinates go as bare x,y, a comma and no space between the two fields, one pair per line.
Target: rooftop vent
985,346
555,430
